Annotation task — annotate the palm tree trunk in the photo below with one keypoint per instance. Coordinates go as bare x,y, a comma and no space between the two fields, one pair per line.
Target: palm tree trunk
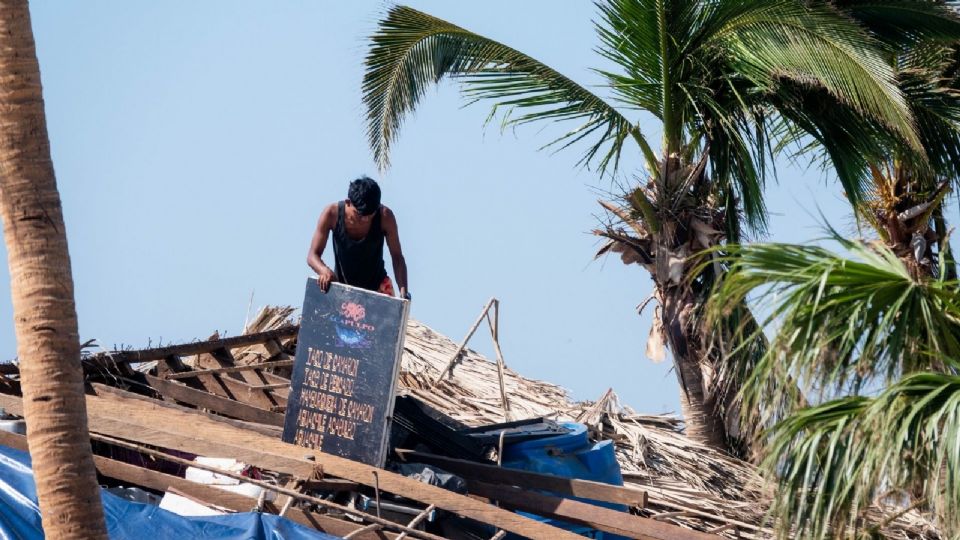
42,289
703,422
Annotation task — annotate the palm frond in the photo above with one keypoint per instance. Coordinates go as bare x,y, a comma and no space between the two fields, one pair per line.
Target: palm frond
851,144
919,34
412,50
813,46
936,108
820,457
904,23
723,64
835,136
841,321
901,448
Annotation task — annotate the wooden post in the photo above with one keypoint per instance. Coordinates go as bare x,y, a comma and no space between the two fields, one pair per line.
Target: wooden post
463,344
495,334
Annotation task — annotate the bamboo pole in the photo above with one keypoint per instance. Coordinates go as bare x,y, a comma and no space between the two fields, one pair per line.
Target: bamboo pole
463,344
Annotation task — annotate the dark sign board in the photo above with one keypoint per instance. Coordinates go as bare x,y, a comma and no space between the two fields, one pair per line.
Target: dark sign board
344,376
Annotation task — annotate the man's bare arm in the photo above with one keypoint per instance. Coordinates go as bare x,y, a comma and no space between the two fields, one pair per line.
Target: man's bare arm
327,221
392,236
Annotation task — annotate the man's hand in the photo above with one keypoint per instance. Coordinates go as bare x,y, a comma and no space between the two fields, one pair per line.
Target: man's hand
325,277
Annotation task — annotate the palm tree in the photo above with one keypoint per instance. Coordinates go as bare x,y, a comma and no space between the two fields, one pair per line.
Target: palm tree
42,289
897,190
874,344
721,77
872,337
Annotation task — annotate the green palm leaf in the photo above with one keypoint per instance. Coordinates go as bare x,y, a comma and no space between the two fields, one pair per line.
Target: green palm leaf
784,40
899,23
716,68
936,106
764,41
839,323
819,456
837,459
412,50
852,143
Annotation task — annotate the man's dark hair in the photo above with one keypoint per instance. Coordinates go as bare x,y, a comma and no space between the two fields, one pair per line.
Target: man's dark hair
364,195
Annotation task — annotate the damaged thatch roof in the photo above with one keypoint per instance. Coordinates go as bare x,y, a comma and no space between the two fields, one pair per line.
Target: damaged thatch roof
687,484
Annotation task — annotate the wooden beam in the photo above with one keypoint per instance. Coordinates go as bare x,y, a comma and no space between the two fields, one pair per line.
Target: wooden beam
211,383
14,440
255,378
158,481
572,487
276,386
153,425
228,407
329,484
248,392
598,517
145,355
251,395
232,369
237,390
263,429
463,344
364,516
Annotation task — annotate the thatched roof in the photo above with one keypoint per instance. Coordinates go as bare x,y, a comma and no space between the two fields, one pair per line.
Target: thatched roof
687,484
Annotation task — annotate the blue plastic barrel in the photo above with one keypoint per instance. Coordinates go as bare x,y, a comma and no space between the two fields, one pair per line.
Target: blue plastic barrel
571,455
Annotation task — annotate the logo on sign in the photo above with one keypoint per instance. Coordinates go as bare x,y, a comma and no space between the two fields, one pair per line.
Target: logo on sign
352,331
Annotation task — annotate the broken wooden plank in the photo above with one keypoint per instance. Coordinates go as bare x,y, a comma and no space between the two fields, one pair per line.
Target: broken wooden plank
237,390
263,429
245,392
231,369
598,517
253,377
221,358
275,386
136,420
364,516
138,476
158,353
573,487
151,424
228,407
14,440
212,384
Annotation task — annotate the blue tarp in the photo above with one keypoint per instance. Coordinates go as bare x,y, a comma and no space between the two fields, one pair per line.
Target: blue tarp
20,515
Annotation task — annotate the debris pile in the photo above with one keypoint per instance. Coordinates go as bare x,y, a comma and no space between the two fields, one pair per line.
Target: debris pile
153,411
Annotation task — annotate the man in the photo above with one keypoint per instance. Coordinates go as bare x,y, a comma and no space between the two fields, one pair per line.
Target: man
359,224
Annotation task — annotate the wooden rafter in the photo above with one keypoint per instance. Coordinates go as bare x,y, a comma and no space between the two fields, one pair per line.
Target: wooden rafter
159,353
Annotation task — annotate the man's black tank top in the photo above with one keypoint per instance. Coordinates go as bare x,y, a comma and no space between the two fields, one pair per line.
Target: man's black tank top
359,262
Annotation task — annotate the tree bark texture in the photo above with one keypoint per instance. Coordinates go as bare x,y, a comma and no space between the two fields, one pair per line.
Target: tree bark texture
704,423
41,284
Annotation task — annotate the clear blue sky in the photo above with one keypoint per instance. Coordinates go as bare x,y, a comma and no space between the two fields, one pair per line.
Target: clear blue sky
195,144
